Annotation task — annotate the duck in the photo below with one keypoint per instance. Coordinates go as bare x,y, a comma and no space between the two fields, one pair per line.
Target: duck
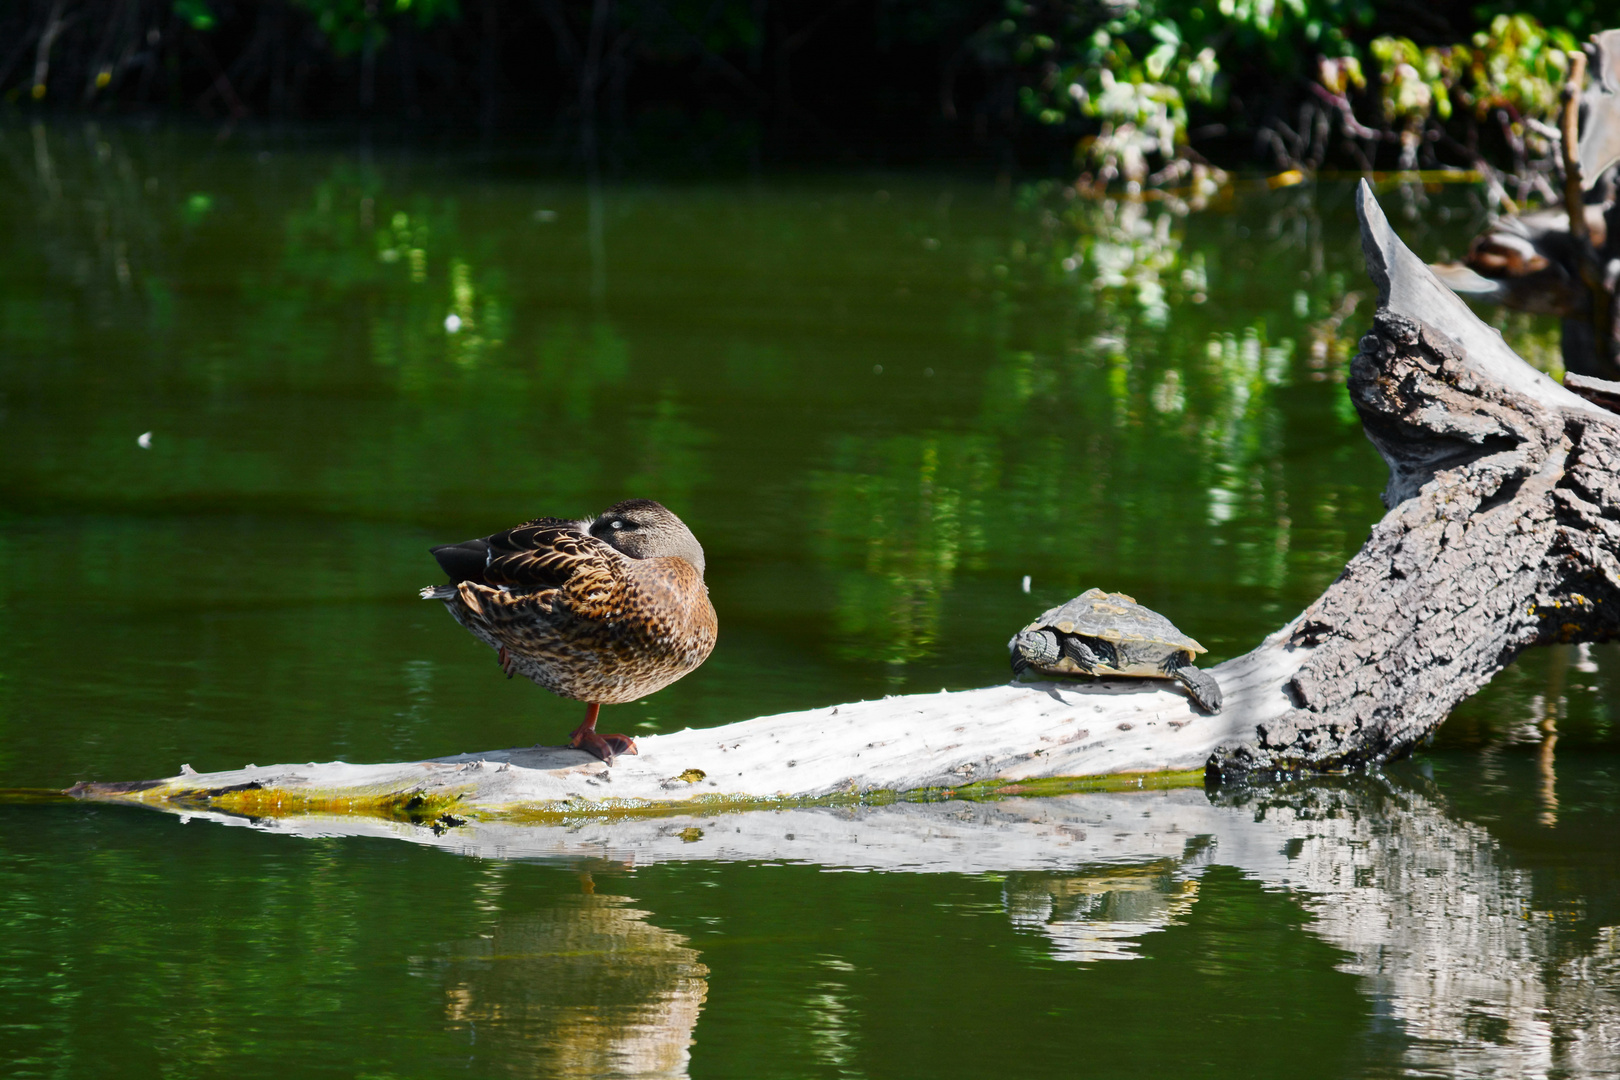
604,610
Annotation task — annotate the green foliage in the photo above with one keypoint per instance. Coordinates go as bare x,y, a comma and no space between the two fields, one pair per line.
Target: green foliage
352,26
194,13
1516,63
1131,75
1580,16
1139,68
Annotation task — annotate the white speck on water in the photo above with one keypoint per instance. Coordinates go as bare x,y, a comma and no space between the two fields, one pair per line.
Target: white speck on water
1026,583
452,323
545,215
877,369
144,440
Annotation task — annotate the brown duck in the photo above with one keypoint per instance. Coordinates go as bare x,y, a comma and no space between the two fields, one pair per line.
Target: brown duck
604,610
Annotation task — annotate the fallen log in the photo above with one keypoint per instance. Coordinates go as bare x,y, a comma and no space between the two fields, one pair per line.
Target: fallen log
1502,533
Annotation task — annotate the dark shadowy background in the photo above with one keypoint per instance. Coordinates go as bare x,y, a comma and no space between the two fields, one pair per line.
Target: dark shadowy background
672,84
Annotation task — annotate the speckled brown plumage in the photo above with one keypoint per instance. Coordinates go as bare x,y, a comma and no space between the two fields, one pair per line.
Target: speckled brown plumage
605,610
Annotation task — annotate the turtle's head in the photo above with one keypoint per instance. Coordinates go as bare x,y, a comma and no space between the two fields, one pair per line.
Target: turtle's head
1033,649
642,529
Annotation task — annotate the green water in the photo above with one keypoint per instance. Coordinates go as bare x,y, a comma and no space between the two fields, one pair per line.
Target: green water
880,401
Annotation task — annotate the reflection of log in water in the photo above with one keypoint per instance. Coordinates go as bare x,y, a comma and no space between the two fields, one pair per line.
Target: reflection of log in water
1552,709
1102,915
585,988
1445,933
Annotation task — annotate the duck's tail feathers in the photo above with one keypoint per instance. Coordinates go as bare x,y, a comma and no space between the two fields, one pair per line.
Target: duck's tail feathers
439,592
464,561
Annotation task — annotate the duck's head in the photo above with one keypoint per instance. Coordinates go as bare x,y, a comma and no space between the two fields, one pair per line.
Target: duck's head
643,529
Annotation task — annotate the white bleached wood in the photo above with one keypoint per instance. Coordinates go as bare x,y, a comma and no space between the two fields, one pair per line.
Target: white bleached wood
1021,731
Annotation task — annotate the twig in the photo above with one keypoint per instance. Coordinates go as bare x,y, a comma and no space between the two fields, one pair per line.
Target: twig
1575,207
1347,114
54,25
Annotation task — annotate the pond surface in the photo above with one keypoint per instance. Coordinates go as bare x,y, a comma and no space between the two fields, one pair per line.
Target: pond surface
883,403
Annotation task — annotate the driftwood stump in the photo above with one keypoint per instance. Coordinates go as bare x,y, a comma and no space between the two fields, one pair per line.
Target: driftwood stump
1503,529
1502,533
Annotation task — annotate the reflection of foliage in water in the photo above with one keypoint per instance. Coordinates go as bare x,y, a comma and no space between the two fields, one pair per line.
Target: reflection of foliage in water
426,303
363,280
1174,405
899,515
1127,425
666,453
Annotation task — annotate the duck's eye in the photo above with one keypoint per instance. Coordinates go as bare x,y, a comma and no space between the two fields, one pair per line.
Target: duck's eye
618,524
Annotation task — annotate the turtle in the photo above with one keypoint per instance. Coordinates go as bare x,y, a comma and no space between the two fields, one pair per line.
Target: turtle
1103,633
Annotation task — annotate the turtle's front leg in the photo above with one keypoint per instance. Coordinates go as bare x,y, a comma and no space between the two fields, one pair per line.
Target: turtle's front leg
1093,656
1201,685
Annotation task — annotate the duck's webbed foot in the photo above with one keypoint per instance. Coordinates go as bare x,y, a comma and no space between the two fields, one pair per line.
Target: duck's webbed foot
606,747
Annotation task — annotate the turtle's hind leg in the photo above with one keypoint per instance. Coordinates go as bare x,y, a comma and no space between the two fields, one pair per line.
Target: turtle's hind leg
1201,685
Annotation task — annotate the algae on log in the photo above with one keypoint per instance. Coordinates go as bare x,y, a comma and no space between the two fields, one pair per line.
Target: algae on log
1503,532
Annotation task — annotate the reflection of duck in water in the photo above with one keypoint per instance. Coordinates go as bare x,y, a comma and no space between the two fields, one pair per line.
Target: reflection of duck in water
584,988
604,610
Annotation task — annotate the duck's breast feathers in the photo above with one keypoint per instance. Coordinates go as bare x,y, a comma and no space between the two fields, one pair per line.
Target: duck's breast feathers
668,598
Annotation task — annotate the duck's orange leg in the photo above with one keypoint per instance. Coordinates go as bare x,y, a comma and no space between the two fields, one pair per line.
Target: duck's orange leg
603,746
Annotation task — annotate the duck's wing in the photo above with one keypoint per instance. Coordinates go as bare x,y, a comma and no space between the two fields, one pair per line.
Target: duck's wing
550,553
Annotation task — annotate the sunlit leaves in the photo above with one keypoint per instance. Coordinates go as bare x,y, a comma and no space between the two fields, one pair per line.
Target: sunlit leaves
1137,68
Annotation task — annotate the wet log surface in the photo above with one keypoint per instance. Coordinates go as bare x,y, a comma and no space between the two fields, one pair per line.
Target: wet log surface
1502,533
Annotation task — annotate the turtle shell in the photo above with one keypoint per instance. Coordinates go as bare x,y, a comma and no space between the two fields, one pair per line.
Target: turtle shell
1142,638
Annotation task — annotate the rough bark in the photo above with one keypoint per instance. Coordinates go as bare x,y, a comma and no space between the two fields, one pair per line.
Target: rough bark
1503,532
